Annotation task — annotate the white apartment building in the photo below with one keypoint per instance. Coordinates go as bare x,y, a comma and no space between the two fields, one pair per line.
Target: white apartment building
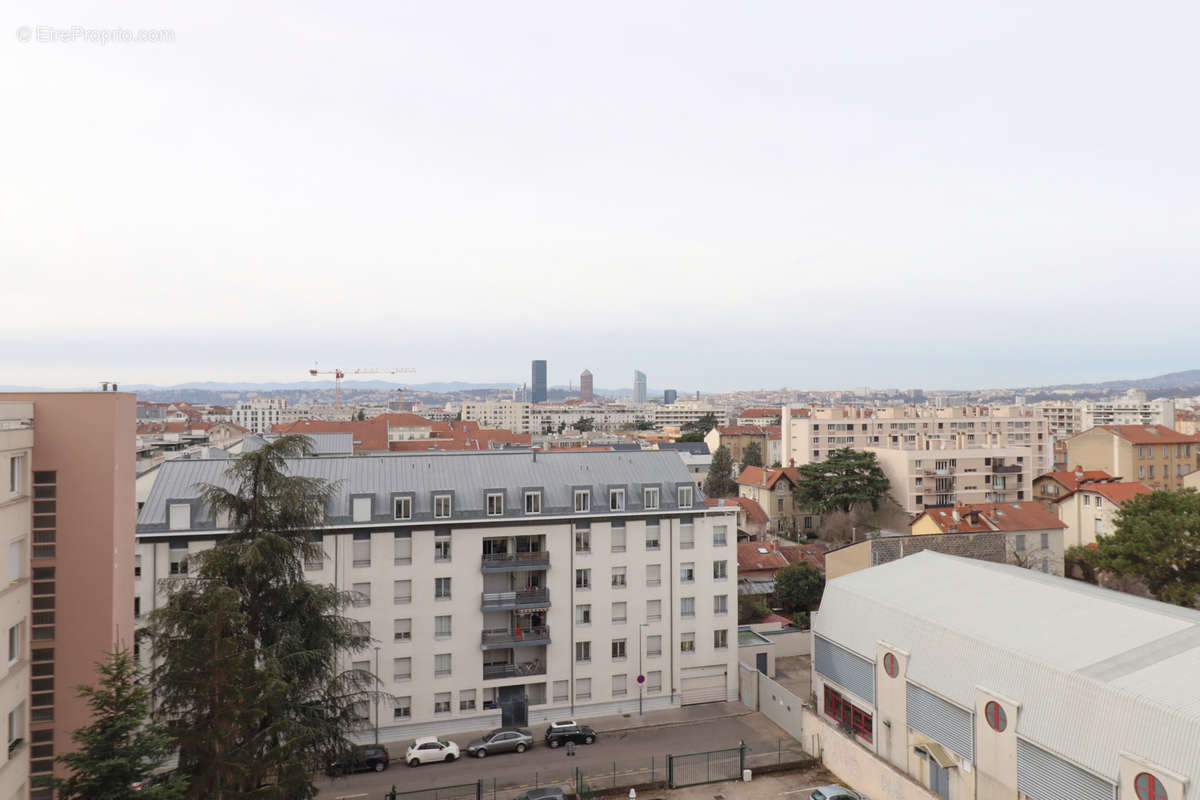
515,586
509,415
259,414
1062,417
16,465
812,438
679,413
1131,409
956,476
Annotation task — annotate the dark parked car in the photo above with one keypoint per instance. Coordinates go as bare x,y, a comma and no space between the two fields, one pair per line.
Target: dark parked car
361,759
501,740
569,731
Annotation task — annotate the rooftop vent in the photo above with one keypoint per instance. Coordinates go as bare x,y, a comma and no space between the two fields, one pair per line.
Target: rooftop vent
763,550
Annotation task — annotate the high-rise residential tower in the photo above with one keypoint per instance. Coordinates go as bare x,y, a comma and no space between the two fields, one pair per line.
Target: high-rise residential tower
670,396
639,386
585,386
539,381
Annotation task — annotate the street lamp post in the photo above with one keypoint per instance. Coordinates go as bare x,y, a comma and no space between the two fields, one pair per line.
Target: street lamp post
641,683
376,696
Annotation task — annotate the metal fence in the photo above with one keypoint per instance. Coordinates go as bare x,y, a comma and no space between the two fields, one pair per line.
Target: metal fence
709,766
459,791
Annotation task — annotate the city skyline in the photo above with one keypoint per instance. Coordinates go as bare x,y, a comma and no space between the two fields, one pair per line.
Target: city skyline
929,210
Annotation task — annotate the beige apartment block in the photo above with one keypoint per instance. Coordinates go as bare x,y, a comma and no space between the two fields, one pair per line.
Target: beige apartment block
956,476
812,438
16,474
1091,510
81,556
1154,454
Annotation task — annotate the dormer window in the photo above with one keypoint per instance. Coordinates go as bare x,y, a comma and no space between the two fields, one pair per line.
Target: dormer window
616,500
533,502
441,506
495,505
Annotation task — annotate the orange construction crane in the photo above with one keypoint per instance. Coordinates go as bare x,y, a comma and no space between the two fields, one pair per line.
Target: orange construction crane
338,374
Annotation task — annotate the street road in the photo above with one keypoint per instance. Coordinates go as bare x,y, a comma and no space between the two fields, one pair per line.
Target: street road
638,750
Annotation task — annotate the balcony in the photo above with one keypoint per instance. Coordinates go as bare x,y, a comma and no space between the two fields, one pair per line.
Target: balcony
516,562
1006,469
515,601
518,637
934,472
494,671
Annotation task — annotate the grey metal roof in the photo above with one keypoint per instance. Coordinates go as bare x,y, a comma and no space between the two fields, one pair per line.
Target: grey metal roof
324,444
1096,672
468,477
695,448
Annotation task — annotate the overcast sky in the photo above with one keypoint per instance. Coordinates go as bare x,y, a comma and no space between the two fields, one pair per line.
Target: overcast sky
816,195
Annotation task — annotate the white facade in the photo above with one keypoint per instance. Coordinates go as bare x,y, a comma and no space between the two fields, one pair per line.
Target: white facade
1132,409
16,479
556,608
949,477
508,415
259,414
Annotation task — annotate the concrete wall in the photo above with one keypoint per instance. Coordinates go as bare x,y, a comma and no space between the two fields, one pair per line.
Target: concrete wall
748,685
790,642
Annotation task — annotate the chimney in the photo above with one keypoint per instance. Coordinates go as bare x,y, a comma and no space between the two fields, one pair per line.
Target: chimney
957,517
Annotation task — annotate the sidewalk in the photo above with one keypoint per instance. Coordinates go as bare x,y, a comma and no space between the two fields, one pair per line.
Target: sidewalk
684,715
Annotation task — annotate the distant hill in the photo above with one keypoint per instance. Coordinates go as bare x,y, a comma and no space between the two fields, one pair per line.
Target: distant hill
1187,379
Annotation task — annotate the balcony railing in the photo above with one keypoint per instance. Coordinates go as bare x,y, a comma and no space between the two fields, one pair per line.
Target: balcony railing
507,562
1010,469
516,637
505,601
493,671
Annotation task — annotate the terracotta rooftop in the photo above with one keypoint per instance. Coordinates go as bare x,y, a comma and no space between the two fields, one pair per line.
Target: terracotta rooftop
1146,434
1072,479
745,430
759,557
1008,517
754,512
813,554
765,477
1119,493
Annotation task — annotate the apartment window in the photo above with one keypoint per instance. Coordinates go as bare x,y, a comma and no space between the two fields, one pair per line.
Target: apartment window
620,685
654,574
1020,544
1099,528
466,700
1141,472
618,539
441,664
618,577
1045,565
495,505
362,509
687,607
16,469
616,499
442,506
441,703
402,544
687,642
14,644
687,536
180,516
618,649
842,710
402,508
654,681
619,612
137,607
441,548
1045,541
720,570
533,502
684,496
361,594
650,498
720,639
401,592
1151,472
720,604
177,553
16,724
583,614
441,627
583,500
561,691
583,540
653,610
401,669
719,535
403,708
137,564
652,540
583,652
687,572
441,588
583,579
16,561
654,646
1087,500
583,688
362,548
402,630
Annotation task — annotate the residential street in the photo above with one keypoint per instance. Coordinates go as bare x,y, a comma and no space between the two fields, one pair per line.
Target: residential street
631,751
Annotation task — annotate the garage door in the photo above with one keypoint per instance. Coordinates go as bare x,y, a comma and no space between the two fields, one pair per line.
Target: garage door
702,685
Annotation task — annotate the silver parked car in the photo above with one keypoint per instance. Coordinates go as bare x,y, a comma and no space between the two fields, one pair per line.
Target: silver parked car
834,792
501,740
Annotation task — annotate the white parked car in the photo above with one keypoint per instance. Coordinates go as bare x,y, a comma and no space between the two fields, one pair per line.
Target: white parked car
427,749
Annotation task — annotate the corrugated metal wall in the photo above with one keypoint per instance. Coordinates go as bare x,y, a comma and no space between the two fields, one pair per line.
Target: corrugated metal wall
1045,776
944,722
844,668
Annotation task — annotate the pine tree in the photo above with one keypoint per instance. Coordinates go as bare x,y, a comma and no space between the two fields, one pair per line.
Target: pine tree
120,747
720,482
248,652
752,455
